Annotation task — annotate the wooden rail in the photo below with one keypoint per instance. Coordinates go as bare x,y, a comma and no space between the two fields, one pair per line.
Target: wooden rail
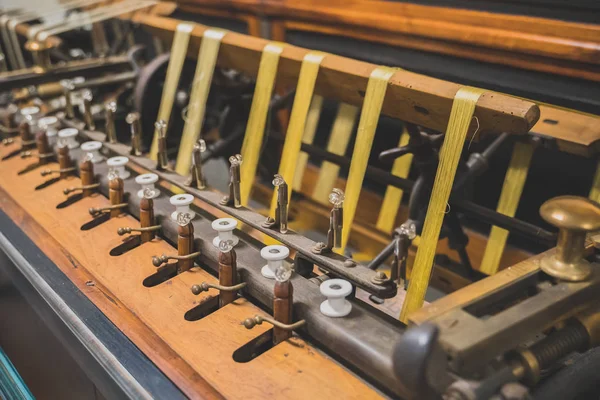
410,97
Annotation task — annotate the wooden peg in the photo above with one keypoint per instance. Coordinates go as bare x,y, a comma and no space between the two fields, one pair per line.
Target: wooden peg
43,148
115,195
27,139
64,162
147,219
227,276
185,246
282,310
86,171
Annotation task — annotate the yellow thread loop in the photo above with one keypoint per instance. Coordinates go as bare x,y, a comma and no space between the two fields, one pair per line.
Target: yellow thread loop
207,60
178,52
293,138
337,144
514,181
461,116
255,130
369,118
310,128
393,195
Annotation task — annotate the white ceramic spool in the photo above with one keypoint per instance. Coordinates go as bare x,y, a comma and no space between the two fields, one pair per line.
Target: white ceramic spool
336,291
50,125
182,203
31,115
93,148
274,255
69,135
225,227
147,181
118,165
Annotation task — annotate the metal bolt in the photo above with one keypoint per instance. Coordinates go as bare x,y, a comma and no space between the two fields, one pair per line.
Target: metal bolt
349,263
379,278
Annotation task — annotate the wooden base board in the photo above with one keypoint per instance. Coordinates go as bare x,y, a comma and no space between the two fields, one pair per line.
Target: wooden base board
196,355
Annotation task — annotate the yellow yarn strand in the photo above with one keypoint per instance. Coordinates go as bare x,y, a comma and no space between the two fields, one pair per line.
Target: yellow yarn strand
293,137
514,181
310,128
207,60
255,130
367,126
461,115
337,144
178,52
595,190
393,195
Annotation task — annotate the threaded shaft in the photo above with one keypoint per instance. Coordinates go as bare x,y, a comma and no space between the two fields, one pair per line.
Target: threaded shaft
571,338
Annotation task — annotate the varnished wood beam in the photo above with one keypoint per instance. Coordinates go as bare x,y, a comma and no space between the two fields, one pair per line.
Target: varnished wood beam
410,97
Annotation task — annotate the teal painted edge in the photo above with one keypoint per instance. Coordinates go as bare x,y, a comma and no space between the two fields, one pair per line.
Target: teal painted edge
12,386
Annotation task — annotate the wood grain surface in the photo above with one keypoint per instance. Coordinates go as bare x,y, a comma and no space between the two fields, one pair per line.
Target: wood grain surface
196,355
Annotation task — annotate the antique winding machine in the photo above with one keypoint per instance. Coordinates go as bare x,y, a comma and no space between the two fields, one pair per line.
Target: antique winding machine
236,199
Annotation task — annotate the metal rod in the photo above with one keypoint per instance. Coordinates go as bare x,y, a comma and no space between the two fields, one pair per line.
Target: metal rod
257,320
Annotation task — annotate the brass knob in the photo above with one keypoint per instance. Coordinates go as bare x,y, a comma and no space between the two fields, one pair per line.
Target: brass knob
574,217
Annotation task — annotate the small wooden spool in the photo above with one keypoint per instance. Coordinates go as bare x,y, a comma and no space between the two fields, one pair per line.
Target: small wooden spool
115,195
282,309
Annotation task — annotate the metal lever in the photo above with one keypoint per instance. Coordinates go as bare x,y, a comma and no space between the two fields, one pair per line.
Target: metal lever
127,230
95,211
157,261
250,323
204,286
84,187
57,171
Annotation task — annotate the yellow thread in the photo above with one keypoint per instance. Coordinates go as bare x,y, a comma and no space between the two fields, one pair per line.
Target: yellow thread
337,144
514,181
393,195
310,128
178,52
461,116
293,137
207,60
369,118
595,190
255,129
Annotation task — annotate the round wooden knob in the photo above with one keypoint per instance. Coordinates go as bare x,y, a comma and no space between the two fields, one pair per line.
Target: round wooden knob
574,217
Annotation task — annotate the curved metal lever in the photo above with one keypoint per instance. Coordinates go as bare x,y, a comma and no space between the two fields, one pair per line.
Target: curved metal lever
157,261
257,320
204,286
56,171
96,211
127,230
84,187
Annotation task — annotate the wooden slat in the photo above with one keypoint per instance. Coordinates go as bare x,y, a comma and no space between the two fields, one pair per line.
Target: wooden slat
293,369
411,97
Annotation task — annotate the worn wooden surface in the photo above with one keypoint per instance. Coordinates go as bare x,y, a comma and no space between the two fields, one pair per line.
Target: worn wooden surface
196,355
533,43
411,97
